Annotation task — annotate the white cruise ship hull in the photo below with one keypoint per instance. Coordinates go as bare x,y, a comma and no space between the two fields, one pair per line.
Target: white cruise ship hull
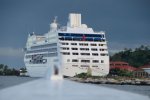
74,49
37,71
40,70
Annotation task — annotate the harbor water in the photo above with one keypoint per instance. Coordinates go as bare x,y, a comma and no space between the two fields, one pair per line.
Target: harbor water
23,88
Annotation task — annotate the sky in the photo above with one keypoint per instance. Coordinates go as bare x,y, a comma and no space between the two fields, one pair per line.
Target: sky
126,22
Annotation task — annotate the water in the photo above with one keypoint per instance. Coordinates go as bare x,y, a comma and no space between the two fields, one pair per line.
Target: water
59,89
140,89
8,81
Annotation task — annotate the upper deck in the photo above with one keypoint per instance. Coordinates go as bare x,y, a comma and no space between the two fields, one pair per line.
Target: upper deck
74,31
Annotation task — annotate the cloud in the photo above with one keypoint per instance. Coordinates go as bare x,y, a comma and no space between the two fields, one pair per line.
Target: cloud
11,52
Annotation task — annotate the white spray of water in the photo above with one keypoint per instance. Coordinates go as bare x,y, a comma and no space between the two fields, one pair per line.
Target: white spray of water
54,73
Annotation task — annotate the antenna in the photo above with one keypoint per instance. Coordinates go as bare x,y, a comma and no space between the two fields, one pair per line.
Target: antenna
55,19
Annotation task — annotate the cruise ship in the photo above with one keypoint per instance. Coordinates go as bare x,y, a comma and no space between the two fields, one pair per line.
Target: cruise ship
73,49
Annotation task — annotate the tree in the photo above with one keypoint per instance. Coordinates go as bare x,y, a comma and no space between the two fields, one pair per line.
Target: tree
5,70
120,72
138,57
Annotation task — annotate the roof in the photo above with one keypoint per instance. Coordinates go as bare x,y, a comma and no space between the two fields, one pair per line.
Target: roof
118,62
129,68
121,65
145,66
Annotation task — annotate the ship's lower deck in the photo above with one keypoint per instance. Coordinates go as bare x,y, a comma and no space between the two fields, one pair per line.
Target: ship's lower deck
68,68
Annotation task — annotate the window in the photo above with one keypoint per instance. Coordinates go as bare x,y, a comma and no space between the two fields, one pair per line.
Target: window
63,48
95,66
104,54
74,53
86,61
94,49
77,39
44,46
85,66
64,43
102,49
101,44
81,37
74,48
67,38
95,61
74,60
93,44
66,53
42,50
42,55
95,54
83,44
75,65
85,53
73,43
86,49
102,61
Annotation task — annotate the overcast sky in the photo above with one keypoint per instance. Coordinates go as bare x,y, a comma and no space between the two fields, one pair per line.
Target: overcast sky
126,22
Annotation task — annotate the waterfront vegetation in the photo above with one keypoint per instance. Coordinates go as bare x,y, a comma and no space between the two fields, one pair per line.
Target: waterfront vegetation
123,78
135,57
5,70
114,73
120,72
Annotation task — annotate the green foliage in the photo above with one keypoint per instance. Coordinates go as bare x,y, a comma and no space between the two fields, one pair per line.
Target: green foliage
120,72
86,75
138,57
82,75
4,70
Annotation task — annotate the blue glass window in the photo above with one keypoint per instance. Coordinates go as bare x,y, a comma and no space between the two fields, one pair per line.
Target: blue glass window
81,37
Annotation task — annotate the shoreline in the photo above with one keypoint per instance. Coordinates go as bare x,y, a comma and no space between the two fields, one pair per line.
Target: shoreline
133,85
115,81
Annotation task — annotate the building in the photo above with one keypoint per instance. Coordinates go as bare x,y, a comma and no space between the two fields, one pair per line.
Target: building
121,65
142,71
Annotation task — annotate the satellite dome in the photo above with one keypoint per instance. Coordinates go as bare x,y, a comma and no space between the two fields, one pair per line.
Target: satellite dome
53,26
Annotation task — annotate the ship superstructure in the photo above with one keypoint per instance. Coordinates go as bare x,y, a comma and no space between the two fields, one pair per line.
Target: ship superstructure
74,48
